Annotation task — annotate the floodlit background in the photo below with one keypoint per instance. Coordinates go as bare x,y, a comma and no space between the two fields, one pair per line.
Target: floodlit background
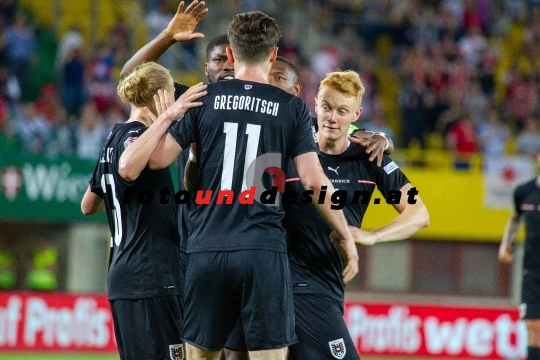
455,83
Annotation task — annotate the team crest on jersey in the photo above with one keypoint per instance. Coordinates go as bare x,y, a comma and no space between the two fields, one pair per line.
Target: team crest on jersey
129,141
390,167
248,87
337,348
177,351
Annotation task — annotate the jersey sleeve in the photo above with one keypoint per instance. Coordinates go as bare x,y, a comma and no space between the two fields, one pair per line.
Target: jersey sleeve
95,181
303,136
179,90
389,176
184,129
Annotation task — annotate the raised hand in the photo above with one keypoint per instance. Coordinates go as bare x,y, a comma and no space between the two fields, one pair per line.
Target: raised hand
185,102
182,26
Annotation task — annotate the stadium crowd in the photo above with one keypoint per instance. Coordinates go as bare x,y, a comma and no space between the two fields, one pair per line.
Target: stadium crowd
465,72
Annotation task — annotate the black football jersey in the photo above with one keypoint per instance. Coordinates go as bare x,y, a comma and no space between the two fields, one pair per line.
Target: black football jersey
527,205
316,265
145,249
183,208
239,122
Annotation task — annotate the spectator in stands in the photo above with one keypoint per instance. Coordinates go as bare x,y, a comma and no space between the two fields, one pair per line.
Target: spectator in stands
71,40
493,135
20,43
462,141
91,132
32,130
48,104
10,89
44,267
522,97
101,86
73,84
476,102
528,140
412,105
62,140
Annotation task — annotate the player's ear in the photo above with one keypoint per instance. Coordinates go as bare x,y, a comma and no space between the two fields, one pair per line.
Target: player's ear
273,55
297,89
358,113
230,55
206,69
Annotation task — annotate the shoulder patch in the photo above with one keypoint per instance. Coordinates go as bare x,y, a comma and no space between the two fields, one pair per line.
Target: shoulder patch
390,167
129,141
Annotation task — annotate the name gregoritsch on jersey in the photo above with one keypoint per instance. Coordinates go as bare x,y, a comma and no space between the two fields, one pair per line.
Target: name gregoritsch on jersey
244,102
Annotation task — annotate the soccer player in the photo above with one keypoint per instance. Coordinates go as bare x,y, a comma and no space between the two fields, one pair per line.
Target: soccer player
284,75
526,205
144,280
315,264
237,262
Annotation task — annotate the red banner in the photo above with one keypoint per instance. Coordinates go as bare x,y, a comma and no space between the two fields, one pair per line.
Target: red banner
59,322
409,330
83,323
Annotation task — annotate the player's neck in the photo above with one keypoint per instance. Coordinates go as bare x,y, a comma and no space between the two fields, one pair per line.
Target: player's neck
333,147
140,116
257,73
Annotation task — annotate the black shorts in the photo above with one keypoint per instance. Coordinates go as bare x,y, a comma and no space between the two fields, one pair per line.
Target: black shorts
253,285
149,329
530,296
321,330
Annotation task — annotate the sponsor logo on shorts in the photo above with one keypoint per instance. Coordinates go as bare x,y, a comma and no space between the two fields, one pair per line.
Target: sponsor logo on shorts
177,351
522,310
390,167
337,348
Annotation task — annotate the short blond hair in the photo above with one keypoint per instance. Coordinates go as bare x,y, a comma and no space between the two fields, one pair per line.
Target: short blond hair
346,82
140,86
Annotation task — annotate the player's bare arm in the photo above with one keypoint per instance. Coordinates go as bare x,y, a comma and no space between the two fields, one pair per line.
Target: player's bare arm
313,178
180,29
136,157
92,204
506,254
375,143
411,218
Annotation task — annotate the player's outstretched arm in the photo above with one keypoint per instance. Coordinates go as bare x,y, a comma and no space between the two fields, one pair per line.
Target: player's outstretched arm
154,147
91,203
180,29
376,144
506,255
313,178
